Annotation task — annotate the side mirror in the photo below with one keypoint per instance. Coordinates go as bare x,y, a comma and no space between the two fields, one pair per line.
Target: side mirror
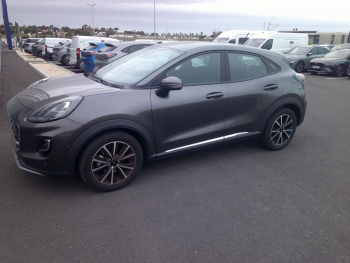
309,54
168,84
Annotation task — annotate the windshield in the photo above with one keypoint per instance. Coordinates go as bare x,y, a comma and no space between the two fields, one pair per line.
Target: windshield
134,67
298,50
221,39
255,42
337,54
91,47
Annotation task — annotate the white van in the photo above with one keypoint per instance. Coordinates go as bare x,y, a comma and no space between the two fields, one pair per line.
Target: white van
49,43
280,42
236,36
81,42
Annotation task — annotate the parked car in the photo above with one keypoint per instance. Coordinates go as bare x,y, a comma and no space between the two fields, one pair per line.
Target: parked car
153,104
29,43
114,51
88,56
281,42
36,49
336,63
81,42
49,44
236,36
329,46
300,56
341,46
60,52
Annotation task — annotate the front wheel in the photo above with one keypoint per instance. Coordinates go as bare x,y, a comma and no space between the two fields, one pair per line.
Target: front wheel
299,67
111,161
279,130
339,72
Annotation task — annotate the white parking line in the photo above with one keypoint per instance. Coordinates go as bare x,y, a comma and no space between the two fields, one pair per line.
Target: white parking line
338,78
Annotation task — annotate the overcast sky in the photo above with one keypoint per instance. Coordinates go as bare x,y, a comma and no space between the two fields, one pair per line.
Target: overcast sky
186,16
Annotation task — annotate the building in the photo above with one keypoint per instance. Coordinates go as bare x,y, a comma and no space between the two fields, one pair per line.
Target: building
329,38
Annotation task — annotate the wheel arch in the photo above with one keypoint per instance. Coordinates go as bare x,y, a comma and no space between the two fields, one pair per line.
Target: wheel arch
292,103
136,130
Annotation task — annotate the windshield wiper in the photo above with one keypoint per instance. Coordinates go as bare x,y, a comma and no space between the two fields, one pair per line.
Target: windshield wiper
102,81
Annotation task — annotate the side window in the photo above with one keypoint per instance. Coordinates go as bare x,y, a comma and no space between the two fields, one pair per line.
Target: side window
232,41
320,51
125,50
136,47
326,50
313,51
202,69
244,67
268,44
272,66
242,40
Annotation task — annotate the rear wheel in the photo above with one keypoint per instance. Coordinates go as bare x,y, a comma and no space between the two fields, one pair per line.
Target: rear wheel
39,54
279,130
340,70
299,67
65,60
111,161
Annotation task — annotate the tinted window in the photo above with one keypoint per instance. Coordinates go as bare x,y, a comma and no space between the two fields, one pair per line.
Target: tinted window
255,42
313,51
320,51
232,41
268,44
244,67
107,48
242,40
137,47
203,69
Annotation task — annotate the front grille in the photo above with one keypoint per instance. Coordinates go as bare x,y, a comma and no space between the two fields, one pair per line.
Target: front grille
15,131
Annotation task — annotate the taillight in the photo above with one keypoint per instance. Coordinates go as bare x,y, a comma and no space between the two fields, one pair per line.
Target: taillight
109,55
78,51
299,77
45,47
27,45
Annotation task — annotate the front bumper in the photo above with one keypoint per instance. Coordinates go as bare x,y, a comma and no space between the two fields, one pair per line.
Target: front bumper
325,69
62,134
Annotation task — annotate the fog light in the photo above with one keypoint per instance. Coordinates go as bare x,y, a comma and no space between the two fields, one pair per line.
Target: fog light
45,146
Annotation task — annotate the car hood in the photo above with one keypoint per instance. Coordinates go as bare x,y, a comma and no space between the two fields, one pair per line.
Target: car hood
60,87
324,60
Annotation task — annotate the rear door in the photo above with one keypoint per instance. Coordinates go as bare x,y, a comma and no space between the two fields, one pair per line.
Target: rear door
195,115
254,85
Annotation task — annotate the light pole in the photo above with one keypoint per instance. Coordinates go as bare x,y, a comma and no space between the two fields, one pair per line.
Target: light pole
92,16
155,38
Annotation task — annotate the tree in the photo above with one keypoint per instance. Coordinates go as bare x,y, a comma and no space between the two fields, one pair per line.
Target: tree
116,29
65,29
103,29
269,26
110,31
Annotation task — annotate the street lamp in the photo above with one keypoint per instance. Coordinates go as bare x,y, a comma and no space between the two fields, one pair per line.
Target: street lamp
92,16
155,37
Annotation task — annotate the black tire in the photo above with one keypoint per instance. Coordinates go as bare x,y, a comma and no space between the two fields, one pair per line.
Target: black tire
299,67
104,173
313,73
339,71
39,54
51,56
275,138
65,60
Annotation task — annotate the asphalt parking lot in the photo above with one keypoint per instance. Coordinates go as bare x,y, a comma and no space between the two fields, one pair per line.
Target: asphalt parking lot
237,203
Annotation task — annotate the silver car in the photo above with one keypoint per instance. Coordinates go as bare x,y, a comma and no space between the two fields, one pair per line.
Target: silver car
30,42
300,56
60,52
111,52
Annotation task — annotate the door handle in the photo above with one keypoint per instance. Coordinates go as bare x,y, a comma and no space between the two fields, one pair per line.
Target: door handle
271,87
214,95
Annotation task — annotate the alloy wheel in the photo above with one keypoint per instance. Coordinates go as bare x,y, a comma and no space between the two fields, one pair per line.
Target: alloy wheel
340,71
282,129
299,67
113,162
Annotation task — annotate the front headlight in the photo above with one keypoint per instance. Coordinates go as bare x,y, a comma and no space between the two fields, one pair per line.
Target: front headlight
36,83
291,58
55,110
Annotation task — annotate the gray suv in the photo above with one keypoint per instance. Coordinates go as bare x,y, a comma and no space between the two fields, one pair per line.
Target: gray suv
300,56
157,102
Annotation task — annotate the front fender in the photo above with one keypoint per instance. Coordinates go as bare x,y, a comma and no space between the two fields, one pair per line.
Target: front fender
105,126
